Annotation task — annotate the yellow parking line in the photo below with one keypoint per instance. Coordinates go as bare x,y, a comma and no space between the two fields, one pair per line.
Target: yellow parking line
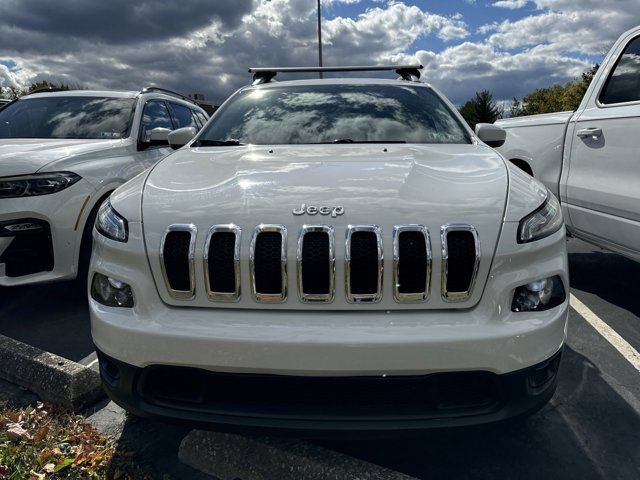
609,334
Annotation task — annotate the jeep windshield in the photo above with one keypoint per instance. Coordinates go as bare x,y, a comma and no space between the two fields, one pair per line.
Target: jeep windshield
331,113
67,117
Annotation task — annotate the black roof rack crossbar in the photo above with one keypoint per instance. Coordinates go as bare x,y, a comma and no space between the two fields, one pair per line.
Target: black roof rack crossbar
168,92
266,74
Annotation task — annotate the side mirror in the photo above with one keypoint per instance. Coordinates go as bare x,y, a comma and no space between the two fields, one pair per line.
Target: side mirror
157,136
180,137
491,134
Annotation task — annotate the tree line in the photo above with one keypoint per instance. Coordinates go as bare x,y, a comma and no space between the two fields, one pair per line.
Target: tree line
482,108
12,93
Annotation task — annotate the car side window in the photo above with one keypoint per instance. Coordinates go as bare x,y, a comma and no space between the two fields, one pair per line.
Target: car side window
183,116
623,84
203,118
154,115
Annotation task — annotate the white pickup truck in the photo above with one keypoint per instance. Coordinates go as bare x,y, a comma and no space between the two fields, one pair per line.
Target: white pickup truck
590,158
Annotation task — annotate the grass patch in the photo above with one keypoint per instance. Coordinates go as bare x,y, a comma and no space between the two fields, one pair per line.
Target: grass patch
42,443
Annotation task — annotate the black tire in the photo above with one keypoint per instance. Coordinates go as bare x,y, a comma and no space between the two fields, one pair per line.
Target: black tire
86,245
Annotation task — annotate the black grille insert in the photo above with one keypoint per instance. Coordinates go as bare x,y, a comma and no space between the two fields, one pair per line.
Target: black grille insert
31,250
412,262
267,263
461,248
364,269
353,398
221,266
315,264
175,253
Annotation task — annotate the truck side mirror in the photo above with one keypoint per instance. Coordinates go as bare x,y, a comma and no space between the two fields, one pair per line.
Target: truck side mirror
491,134
180,137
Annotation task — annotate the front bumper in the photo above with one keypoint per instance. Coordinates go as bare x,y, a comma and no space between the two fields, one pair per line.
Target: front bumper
316,406
50,253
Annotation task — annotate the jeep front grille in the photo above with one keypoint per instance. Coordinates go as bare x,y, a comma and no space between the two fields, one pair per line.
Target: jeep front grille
411,263
268,263
222,263
460,261
177,260
315,262
363,263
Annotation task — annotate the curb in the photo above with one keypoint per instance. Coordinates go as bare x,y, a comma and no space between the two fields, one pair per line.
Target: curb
53,378
231,457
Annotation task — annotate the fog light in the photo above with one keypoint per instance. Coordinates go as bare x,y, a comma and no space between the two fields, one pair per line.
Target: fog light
111,292
539,295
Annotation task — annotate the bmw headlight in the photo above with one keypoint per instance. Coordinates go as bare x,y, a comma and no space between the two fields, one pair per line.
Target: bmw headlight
544,221
111,224
36,184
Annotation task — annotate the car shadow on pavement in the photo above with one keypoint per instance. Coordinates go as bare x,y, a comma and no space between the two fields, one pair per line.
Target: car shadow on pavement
53,317
609,276
587,431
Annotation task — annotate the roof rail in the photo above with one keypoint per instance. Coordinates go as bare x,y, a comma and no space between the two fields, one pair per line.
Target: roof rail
266,74
48,89
168,92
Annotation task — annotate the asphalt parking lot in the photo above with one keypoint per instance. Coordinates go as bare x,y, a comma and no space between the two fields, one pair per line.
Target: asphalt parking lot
591,428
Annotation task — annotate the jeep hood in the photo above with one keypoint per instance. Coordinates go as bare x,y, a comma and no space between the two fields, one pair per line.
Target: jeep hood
384,185
21,156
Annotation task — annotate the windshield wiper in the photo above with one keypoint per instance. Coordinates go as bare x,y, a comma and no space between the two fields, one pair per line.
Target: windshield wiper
203,142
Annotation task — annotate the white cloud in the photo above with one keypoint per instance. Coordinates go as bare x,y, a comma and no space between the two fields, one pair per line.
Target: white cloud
553,44
510,4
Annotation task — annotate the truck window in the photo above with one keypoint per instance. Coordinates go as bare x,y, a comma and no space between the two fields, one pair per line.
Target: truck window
623,85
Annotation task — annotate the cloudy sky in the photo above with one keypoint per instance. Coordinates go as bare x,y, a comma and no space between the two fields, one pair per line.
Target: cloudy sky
206,46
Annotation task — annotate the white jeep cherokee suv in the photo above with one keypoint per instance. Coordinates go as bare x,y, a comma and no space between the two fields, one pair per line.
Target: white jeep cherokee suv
330,255
61,154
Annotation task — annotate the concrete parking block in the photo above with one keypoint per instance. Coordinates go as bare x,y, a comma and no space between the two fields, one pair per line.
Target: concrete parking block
231,457
53,378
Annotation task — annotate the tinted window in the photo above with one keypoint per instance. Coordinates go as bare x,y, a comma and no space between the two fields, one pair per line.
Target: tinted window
67,117
329,113
154,115
183,116
624,83
203,118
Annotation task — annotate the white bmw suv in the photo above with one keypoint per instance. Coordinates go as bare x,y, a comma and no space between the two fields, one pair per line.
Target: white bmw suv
331,255
61,155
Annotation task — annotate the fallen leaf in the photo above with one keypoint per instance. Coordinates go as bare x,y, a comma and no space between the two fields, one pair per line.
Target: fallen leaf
41,433
49,467
36,476
15,432
64,463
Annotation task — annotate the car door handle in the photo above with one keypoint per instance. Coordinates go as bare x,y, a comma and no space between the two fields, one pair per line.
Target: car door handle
594,132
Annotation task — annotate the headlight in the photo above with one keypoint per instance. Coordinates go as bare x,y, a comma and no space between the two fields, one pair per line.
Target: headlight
111,224
541,223
539,295
37,184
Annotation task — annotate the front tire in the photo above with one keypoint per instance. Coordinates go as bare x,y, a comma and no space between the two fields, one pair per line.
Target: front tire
86,244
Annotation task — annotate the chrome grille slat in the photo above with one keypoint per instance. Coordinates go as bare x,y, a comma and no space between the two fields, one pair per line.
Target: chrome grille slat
457,296
262,296
215,296
316,297
180,294
420,296
363,297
